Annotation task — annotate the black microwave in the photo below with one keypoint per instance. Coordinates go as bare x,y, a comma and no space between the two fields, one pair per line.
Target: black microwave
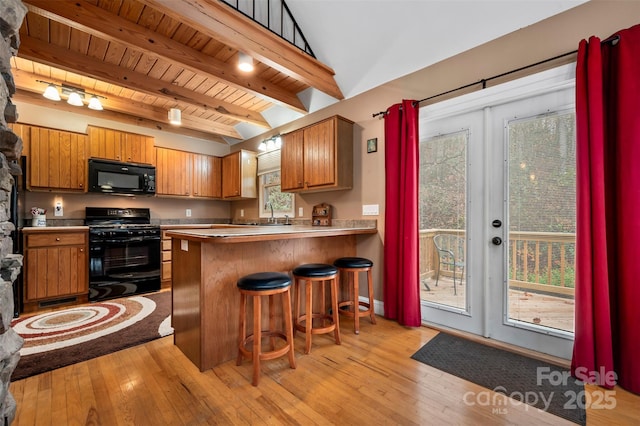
116,177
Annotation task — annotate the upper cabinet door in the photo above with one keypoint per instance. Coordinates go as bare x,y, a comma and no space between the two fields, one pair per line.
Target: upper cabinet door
173,172
57,160
138,149
291,158
239,175
320,154
207,176
105,143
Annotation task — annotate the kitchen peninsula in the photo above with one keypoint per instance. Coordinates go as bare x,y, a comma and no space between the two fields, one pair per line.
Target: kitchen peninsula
208,262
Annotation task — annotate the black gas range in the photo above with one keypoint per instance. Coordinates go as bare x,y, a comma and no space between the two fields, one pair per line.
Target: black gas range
124,252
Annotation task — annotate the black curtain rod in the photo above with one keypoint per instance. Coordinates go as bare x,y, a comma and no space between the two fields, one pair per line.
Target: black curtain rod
613,40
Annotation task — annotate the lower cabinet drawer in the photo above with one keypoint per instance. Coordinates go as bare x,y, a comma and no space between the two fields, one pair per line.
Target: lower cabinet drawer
49,240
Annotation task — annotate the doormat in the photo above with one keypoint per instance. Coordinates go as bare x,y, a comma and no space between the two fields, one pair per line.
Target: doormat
63,337
537,383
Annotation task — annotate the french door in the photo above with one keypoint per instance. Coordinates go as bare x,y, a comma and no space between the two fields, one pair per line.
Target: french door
497,209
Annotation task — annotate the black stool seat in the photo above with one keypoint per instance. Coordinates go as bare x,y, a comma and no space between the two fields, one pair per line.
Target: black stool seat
264,281
353,262
315,270
351,267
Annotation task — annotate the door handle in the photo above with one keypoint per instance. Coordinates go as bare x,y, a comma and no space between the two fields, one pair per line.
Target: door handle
496,241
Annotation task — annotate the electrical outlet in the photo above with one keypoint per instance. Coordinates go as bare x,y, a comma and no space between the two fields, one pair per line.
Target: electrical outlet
241,212
300,212
370,210
188,212
57,211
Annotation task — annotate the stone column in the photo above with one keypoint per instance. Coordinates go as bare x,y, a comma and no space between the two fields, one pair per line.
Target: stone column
12,13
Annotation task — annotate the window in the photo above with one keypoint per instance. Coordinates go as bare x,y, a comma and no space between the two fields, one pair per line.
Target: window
282,203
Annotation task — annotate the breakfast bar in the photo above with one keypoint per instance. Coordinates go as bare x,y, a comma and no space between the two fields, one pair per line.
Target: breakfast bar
208,262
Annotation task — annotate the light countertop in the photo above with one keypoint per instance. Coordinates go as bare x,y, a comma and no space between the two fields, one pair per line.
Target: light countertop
248,233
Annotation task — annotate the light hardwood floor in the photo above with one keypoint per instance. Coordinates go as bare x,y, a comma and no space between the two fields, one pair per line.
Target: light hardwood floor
369,379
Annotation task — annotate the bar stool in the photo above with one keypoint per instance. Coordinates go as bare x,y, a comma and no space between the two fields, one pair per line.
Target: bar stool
316,273
352,266
258,285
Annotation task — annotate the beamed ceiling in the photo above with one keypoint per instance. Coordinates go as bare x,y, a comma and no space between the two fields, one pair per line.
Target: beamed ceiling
147,56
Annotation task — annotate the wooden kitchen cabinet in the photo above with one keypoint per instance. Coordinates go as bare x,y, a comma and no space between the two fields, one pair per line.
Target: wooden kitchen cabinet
57,160
187,174
173,172
55,268
239,175
318,157
116,145
206,176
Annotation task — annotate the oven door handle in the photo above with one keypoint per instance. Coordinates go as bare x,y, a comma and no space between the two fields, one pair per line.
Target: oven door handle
129,240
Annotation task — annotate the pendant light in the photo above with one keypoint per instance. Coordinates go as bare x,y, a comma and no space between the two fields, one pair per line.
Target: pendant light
51,92
175,116
75,99
95,104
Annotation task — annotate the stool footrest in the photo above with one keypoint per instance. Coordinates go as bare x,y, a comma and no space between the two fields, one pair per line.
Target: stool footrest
266,355
300,324
350,312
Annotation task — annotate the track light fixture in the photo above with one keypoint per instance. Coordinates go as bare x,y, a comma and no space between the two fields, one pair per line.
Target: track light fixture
270,144
75,95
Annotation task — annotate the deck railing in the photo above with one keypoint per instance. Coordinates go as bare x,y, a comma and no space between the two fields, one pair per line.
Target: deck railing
542,262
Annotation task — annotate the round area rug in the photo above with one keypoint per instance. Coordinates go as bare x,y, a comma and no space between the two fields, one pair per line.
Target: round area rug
59,338
59,329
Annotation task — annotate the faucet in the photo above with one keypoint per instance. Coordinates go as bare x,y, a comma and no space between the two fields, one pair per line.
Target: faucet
286,216
271,219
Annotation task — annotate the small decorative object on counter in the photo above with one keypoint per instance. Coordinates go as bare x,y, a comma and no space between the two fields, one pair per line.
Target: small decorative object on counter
39,218
321,215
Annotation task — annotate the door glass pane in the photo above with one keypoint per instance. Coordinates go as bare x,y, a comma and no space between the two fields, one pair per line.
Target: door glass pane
443,184
542,225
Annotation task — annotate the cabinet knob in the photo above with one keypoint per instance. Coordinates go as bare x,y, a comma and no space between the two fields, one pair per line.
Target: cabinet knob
81,185
81,250
57,238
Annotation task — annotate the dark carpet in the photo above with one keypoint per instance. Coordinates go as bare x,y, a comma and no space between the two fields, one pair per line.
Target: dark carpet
90,331
536,383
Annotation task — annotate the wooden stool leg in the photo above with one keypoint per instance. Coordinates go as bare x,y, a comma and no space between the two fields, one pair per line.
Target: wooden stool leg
334,308
272,321
371,304
257,338
356,301
296,303
309,316
243,332
288,323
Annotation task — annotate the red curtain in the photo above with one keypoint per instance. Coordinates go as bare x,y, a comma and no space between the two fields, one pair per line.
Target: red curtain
401,263
607,332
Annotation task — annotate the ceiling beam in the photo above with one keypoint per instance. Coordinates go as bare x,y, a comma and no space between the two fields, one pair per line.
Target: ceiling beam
220,21
36,50
95,21
27,81
36,99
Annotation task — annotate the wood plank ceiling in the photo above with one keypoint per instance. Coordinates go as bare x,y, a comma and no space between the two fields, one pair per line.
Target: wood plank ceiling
147,56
